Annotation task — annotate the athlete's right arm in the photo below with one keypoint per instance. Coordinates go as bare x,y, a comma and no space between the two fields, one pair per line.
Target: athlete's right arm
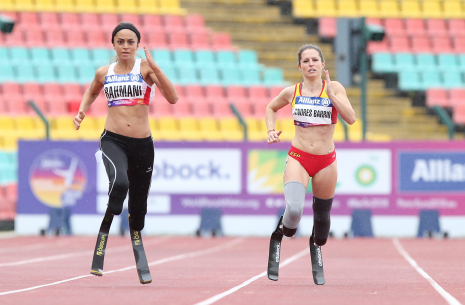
90,95
283,99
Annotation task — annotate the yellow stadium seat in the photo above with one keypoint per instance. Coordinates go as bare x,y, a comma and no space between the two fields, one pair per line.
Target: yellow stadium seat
127,6
348,8
169,130
432,9
376,137
209,129
7,124
85,6
154,129
453,9
100,123
65,6
256,129
26,128
88,129
389,9
231,130
288,128
62,128
45,6
410,9
355,131
105,6
148,7
339,133
303,9
369,8
9,142
24,5
189,129
171,7
7,5
326,8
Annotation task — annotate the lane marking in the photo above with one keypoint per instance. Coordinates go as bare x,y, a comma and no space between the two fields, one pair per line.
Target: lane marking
234,289
449,298
68,255
157,262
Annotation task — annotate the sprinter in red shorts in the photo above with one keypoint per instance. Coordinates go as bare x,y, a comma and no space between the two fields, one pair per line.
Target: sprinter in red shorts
315,103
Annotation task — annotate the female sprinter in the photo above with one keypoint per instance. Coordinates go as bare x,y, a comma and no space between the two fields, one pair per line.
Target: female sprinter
126,143
315,103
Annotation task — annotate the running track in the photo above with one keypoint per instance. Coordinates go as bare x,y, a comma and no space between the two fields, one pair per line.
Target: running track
185,270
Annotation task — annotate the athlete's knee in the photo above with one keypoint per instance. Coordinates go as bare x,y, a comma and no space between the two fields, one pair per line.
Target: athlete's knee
294,193
321,219
137,223
115,205
119,187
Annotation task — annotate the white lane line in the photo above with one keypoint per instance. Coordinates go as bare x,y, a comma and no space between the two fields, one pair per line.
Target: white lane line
161,261
449,298
68,255
234,289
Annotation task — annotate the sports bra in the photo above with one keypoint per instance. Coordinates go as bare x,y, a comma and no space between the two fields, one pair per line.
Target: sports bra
127,89
311,111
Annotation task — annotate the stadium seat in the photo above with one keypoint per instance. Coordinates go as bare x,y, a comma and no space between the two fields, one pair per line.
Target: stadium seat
453,79
327,27
421,44
409,81
148,7
85,72
75,38
257,92
273,76
72,92
389,9
34,37
447,62
7,73
326,8
400,44
178,40
410,9
127,6
250,76
415,26
234,92
55,38
7,5
383,62
221,109
369,8
230,76
394,26
26,128
247,59
88,21
378,46
10,89
48,20
457,96
200,41
16,38
40,55
44,73
127,16
174,23
456,27
187,75
209,129
303,9
431,79
426,62
436,27
97,39
65,6
441,44
453,9
221,41
16,105
209,76
437,97
183,58
256,129
171,7
108,21
85,6
24,72
60,55
214,91
204,58
432,9
348,8
149,21
404,62
105,6
156,39
27,18
80,56
189,129
243,106
226,59
461,60
45,6
101,56
230,129
458,114
169,129
194,23
458,44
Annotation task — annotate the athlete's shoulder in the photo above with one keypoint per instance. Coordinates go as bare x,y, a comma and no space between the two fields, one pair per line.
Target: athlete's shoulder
289,91
338,87
102,71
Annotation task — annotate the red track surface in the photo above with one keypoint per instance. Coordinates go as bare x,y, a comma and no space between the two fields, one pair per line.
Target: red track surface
358,271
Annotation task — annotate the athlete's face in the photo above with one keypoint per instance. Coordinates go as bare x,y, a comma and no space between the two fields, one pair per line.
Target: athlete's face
310,63
125,44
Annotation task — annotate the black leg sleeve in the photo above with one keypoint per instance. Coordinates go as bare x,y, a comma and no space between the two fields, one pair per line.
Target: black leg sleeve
321,219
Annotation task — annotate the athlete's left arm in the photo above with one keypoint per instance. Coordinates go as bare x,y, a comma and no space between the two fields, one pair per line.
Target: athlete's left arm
159,78
338,96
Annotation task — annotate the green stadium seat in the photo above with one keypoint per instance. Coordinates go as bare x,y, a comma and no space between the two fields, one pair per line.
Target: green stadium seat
170,72
247,58
45,73
273,76
60,55
25,72
8,175
4,57
7,73
80,56
4,159
250,76
230,76
453,79
18,55
187,76
426,62
409,81
205,58
183,58
461,62
209,76
447,62
66,73
226,59
40,56
431,79
85,72
404,62
101,56
382,63
162,57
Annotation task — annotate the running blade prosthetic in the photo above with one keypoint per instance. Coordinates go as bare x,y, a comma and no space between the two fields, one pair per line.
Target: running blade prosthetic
275,251
317,263
141,260
99,252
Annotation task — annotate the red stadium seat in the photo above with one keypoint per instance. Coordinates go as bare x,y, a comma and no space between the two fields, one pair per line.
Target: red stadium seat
180,91
194,91
183,108
275,91
458,115
16,105
195,23
200,41
174,23
178,40
378,46
221,41
400,44
49,20
394,26
457,96
437,97
436,27
233,92
259,106
28,19
459,44
31,90
257,92
214,91
75,38
10,89
53,91
243,106
87,21
377,21
109,21
150,22
132,18
3,106
327,27
201,108
156,39
162,108
441,44
221,109
55,38
70,20
99,106
456,27
97,39
16,38
11,191
421,44
415,26
34,37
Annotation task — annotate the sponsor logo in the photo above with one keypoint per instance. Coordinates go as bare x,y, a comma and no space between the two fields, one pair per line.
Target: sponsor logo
134,77
137,241
318,253
117,78
365,175
278,249
149,169
325,102
210,170
294,154
101,246
437,171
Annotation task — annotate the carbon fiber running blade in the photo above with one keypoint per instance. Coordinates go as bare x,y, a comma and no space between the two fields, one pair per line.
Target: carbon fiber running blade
141,260
99,254
317,263
275,252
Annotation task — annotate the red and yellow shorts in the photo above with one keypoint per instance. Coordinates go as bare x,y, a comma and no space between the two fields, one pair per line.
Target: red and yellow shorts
312,163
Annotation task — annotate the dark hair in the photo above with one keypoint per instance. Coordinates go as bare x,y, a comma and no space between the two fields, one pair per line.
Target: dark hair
125,25
309,46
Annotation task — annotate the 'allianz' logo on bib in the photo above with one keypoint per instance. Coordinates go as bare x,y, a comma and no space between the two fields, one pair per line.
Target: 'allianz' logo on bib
325,102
